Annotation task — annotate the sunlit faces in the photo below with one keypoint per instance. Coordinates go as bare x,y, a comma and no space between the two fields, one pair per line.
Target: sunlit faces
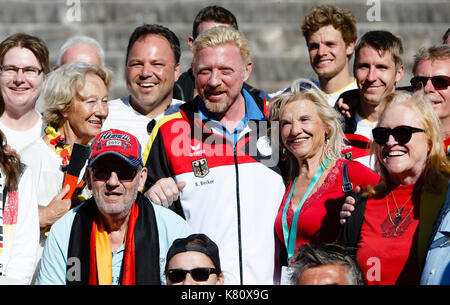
151,73
113,196
324,275
89,109
302,130
190,260
403,160
328,53
376,74
219,74
20,92
441,97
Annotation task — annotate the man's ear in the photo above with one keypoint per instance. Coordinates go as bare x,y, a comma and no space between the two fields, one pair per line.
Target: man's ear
349,49
248,70
177,72
399,74
190,42
220,279
142,178
88,178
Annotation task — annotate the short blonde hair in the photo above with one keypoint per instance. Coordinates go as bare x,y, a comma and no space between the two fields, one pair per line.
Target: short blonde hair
303,89
64,84
221,35
437,165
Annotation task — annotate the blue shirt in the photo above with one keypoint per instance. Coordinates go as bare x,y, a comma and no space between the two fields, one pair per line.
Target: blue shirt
52,269
437,265
252,112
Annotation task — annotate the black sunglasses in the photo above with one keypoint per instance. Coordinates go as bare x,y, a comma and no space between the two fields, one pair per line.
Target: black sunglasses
198,274
124,174
439,82
402,134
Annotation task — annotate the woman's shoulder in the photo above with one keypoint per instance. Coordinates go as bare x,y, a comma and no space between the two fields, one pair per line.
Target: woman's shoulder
360,172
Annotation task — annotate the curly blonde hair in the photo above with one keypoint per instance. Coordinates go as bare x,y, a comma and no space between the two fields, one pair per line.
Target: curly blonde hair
341,19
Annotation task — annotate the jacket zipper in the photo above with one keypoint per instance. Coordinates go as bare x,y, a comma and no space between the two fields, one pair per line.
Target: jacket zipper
238,205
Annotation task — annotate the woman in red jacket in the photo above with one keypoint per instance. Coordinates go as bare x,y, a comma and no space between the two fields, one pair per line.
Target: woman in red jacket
311,139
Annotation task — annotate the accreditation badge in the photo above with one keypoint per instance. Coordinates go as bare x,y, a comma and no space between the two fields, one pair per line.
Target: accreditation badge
286,274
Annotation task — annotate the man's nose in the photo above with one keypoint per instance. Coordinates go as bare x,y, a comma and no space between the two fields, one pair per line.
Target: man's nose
113,179
214,79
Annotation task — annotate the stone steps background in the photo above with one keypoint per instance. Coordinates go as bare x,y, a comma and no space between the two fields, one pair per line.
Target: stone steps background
273,28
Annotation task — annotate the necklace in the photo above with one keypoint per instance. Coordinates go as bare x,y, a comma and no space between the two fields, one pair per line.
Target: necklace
61,148
399,210
398,221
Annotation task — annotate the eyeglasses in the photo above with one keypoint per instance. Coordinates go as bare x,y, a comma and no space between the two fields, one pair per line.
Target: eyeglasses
402,134
439,82
126,173
29,72
198,274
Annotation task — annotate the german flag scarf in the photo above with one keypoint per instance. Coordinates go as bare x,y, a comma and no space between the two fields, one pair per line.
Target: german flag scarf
141,258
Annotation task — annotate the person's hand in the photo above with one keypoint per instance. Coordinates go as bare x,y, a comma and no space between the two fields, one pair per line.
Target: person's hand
165,191
344,108
55,209
348,207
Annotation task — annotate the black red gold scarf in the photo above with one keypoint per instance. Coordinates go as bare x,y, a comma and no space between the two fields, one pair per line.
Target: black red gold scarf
141,258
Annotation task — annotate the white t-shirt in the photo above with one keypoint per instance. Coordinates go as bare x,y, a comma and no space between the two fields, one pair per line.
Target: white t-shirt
20,232
123,116
364,127
20,139
45,167
47,174
333,97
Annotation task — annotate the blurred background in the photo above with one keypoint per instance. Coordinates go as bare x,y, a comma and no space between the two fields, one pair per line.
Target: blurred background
278,49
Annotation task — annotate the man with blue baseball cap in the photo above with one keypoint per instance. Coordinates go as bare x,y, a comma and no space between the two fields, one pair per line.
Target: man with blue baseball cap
117,236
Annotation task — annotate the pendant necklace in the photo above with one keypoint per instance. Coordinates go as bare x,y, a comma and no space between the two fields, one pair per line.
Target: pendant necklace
398,221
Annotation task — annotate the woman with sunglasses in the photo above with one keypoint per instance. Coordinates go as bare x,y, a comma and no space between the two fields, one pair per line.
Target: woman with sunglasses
401,210
311,139
76,96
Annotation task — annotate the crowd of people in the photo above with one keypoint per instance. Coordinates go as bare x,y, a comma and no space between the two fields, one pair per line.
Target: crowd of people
197,177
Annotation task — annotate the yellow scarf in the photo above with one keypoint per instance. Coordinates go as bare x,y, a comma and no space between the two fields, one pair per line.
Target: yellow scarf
103,254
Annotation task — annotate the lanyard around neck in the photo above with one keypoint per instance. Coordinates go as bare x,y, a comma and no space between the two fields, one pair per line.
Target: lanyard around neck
290,235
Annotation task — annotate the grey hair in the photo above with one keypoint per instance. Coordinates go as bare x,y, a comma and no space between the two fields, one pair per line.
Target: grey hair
80,39
309,256
64,84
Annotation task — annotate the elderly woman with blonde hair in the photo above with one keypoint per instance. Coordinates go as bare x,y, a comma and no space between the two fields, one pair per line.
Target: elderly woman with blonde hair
76,96
311,140
399,214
